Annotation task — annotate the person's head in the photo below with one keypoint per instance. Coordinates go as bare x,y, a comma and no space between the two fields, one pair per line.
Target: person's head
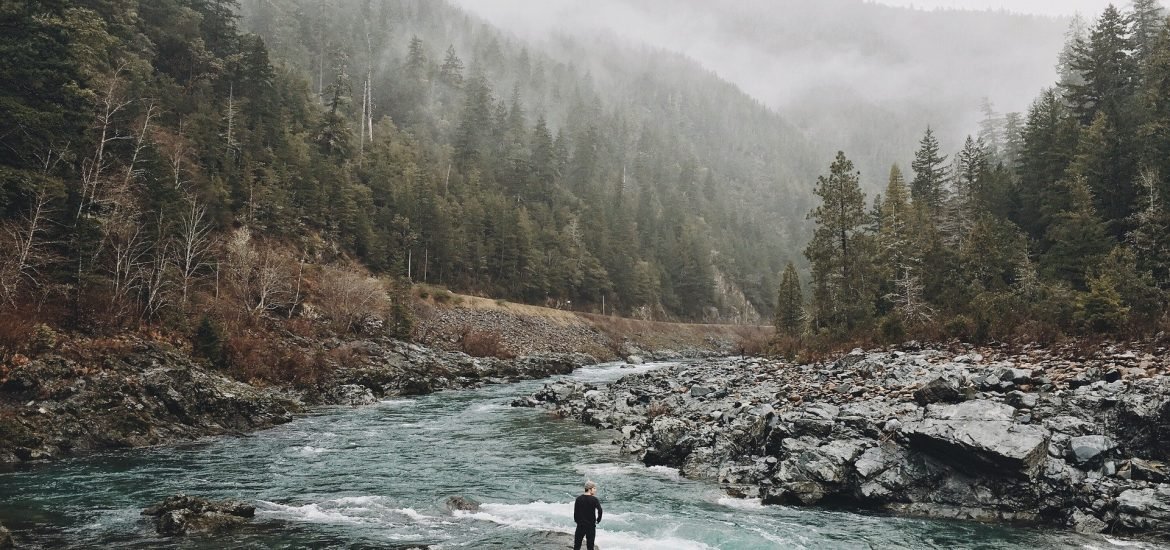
590,488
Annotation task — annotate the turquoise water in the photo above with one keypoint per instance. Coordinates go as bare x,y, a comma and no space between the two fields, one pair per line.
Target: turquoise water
378,476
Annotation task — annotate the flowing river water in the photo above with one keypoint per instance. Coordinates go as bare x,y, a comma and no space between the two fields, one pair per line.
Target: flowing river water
378,477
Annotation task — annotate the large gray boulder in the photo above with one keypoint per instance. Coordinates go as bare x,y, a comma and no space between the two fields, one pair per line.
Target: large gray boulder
979,437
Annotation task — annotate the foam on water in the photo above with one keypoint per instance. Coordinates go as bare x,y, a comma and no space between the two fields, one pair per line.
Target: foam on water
557,517
741,503
666,471
370,509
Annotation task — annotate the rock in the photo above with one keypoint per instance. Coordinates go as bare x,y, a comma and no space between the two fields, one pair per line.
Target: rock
6,538
1088,448
1086,524
941,389
669,442
1145,509
1149,470
635,360
700,391
462,503
1021,400
979,436
181,514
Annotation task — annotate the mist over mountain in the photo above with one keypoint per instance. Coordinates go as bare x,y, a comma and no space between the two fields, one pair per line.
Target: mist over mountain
853,75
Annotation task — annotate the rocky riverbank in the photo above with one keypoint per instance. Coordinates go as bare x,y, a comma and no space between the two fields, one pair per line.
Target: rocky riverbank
1036,437
139,393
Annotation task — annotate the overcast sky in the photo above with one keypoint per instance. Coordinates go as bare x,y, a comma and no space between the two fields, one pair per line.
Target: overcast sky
1089,8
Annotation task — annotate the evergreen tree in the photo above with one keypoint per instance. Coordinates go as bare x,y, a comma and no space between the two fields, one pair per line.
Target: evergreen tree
789,303
1105,62
840,251
1149,18
1077,239
930,174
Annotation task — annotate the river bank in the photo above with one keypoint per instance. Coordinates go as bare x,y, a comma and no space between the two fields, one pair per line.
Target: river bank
1033,436
140,392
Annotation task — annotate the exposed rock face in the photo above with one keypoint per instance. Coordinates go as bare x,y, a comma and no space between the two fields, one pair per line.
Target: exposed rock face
182,514
55,407
977,435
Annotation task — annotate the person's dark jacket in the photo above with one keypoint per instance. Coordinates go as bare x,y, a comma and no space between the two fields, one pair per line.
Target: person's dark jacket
583,510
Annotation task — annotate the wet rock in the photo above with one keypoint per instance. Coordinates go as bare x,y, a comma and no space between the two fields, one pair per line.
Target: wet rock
182,514
6,538
462,503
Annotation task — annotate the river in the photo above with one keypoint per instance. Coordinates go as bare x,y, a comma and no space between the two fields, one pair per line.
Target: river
378,477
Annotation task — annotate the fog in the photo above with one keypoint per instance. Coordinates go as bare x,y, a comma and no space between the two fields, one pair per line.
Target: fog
848,71
1037,7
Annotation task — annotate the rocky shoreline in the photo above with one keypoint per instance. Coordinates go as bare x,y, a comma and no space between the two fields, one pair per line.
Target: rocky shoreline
1032,436
149,393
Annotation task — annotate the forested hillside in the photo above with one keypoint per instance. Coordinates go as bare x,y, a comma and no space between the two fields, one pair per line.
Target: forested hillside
167,160
589,172
1057,226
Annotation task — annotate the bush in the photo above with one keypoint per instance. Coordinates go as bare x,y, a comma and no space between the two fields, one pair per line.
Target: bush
347,298
208,342
961,327
484,343
892,329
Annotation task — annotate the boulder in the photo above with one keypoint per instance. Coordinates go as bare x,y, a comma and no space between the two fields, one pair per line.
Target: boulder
941,389
1089,448
181,514
1149,470
462,503
669,441
980,437
6,538
1144,509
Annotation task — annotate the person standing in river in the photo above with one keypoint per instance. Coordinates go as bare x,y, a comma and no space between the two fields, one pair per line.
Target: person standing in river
583,514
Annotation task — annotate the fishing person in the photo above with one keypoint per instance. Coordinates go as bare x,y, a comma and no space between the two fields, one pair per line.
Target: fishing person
583,514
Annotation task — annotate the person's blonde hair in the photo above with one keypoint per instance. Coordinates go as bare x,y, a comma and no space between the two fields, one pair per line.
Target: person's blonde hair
589,486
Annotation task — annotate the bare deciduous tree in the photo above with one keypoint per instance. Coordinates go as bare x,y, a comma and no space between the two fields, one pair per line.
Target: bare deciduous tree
192,250
348,297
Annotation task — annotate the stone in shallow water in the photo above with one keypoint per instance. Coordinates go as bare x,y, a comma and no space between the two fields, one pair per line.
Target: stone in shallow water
181,514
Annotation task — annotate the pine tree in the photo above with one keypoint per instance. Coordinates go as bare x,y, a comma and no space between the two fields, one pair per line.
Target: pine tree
1105,62
451,72
1077,238
929,174
1149,18
789,303
840,252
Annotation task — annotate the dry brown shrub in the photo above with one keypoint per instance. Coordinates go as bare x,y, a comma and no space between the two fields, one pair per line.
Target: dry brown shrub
753,341
348,297
484,343
16,333
656,409
266,360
